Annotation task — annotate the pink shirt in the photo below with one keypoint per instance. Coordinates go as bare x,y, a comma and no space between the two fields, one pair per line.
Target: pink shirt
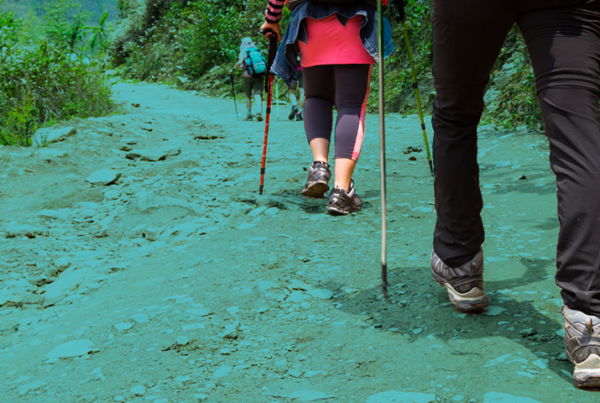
329,42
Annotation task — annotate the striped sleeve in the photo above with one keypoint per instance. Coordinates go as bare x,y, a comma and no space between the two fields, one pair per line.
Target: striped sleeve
274,10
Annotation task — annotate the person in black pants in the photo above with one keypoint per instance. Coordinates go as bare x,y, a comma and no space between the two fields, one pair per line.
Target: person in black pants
563,40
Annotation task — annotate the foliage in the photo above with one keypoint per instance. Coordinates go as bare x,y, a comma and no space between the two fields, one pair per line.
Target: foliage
46,79
189,44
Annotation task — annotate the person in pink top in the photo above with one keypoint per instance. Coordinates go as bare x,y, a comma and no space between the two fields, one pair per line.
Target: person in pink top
332,41
251,84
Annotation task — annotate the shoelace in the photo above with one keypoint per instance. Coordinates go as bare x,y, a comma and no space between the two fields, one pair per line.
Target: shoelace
588,324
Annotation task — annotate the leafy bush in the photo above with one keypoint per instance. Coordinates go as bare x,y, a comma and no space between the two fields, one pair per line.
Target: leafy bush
188,43
41,82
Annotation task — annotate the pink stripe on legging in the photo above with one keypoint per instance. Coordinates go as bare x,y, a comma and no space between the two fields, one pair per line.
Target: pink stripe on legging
361,124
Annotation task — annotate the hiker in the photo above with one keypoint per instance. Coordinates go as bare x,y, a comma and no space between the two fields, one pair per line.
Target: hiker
337,47
253,63
296,94
563,40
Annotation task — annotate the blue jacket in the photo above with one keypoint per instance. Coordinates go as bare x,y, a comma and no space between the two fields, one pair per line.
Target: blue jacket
285,64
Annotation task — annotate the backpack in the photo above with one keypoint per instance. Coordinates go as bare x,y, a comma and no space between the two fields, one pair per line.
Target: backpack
255,63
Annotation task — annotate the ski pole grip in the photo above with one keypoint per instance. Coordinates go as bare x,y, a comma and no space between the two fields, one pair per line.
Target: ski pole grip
272,45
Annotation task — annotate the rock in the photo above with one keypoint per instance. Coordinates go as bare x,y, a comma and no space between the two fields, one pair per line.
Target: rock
233,310
76,348
231,331
528,332
200,396
123,326
394,396
119,399
495,397
321,294
222,371
159,154
139,318
494,310
62,263
52,215
103,177
20,230
296,297
30,387
303,395
130,141
112,194
183,341
52,135
138,390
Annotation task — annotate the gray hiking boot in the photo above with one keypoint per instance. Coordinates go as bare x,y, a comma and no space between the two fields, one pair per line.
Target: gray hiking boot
318,180
464,283
342,202
582,342
293,112
248,118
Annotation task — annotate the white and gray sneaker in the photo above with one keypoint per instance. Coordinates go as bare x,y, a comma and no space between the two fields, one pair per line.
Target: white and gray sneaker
342,202
318,180
582,342
464,283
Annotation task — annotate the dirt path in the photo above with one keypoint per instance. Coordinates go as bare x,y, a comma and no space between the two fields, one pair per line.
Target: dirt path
178,283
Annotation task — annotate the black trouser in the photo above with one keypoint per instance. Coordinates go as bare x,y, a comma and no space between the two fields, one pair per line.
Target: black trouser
563,39
347,87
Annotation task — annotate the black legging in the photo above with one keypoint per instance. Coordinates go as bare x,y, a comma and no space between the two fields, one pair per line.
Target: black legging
563,39
347,87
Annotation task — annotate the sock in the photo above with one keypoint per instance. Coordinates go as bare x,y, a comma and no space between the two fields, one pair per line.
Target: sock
249,112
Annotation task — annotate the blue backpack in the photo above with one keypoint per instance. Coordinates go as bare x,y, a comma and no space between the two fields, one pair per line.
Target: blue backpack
255,63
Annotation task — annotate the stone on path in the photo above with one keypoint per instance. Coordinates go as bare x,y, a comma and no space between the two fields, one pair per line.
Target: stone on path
139,318
303,395
52,215
231,331
51,135
138,390
494,310
103,177
75,348
321,294
123,326
495,397
222,371
158,154
394,396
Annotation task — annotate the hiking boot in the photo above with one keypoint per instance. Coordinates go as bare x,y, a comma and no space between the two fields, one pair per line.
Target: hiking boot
249,118
342,202
318,180
582,342
259,117
464,283
293,113
299,117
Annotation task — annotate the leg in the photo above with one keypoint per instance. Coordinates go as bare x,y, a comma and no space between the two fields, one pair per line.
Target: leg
248,94
468,36
566,62
258,91
352,92
318,122
293,100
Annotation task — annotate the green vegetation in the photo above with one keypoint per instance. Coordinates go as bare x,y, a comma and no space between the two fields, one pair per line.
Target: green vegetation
50,70
193,45
37,8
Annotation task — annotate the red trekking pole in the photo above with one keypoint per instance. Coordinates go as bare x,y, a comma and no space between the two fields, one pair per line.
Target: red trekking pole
269,84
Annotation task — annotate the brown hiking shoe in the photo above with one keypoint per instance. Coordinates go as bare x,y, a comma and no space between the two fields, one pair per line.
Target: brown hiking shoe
464,283
582,342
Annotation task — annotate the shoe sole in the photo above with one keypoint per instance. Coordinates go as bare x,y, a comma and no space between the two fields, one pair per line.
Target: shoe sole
259,118
337,211
587,374
292,115
474,301
316,190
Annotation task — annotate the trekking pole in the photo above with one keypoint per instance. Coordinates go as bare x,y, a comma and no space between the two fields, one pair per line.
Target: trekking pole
384,283
269,80
277,97
234,101
416,87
